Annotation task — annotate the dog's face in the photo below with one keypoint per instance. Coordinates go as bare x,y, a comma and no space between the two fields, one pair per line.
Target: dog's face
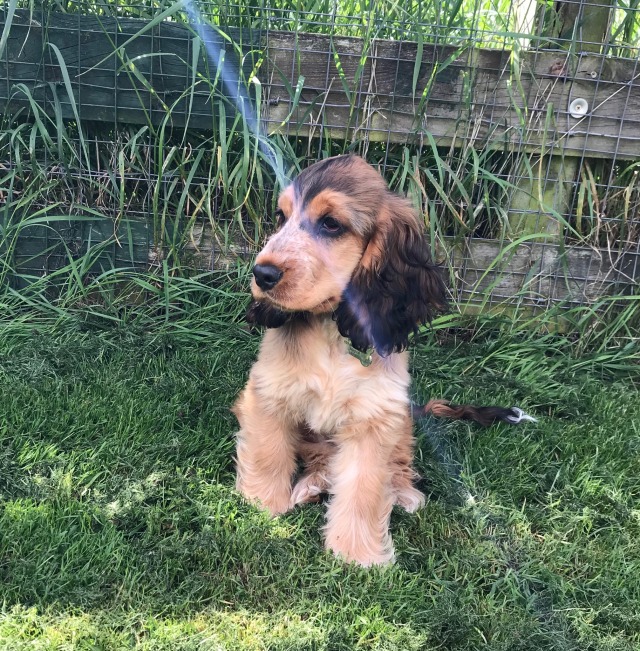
326,217
347,245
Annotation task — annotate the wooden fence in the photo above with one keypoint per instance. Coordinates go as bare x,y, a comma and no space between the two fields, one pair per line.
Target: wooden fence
559,107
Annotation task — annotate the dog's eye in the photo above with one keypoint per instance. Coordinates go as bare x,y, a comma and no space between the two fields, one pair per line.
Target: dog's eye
280,218
330,226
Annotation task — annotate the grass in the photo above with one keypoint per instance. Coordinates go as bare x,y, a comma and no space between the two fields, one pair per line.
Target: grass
492,23
119,359
120,527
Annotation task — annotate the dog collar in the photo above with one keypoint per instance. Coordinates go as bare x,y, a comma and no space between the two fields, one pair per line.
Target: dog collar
365,358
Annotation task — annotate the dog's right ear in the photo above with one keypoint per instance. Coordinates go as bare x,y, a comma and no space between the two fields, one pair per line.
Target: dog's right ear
263,314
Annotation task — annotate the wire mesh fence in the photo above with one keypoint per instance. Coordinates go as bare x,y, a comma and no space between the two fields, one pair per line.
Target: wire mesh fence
141,134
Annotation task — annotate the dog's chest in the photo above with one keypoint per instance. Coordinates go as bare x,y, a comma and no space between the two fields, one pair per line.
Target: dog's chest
309,376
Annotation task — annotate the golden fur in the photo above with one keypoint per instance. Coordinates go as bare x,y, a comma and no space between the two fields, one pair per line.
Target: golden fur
348,269
348,266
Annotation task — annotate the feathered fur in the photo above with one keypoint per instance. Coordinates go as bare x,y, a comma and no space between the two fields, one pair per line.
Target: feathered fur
348,267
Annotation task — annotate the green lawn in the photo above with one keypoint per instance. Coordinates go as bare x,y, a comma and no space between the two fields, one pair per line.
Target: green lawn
120,527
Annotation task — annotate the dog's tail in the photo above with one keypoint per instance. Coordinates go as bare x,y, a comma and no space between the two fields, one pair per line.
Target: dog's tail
483,415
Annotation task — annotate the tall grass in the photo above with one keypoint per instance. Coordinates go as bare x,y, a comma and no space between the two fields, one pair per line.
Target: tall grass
486,22
483,20
107,224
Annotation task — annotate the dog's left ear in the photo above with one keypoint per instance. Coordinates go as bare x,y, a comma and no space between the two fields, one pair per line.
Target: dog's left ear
395,288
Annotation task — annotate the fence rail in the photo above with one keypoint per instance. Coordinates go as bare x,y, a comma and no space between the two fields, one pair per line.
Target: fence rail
134,71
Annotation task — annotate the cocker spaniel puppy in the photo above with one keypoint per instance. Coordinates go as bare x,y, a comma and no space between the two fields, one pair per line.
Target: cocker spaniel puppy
341,286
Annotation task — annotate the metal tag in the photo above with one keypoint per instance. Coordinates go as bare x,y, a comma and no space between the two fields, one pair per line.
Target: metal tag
364,358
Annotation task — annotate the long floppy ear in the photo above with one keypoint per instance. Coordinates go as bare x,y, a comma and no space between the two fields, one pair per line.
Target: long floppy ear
395,288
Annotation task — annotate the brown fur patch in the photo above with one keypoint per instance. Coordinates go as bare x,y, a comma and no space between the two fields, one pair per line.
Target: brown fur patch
285,201
337,205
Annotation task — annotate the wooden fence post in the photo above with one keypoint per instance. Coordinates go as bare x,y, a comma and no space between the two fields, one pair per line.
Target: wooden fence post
577,27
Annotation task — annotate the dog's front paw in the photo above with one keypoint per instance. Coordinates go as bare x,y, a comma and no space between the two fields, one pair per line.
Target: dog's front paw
362,552
275,502
276,506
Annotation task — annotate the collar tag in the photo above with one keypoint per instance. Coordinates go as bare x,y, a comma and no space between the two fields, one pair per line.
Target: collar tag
365,358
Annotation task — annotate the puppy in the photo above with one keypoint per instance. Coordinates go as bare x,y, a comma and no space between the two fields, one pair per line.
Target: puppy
341,286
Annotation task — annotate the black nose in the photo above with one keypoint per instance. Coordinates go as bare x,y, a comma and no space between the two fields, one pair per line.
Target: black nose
267,276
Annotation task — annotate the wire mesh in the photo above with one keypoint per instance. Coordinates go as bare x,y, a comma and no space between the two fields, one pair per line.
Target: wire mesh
512,125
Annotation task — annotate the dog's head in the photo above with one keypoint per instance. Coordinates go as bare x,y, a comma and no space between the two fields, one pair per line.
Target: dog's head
345,244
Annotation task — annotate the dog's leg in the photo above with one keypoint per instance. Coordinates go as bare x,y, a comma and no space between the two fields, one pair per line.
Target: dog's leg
265,454
358,514
403,475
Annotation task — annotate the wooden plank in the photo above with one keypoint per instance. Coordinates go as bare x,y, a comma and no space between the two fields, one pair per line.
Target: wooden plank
540,274
146,82
350,90
470,95
488,271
